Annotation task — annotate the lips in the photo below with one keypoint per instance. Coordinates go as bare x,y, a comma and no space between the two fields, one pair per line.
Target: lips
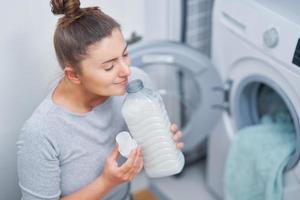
122,82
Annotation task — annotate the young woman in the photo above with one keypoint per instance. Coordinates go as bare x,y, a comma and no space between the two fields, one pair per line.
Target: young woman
67,148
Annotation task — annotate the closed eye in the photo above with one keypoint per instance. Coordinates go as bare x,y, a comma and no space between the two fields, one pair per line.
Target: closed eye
110,68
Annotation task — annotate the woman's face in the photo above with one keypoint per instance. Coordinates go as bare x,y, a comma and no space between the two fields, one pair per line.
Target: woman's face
106,68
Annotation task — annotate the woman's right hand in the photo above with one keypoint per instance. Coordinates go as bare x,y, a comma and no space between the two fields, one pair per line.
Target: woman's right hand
114,174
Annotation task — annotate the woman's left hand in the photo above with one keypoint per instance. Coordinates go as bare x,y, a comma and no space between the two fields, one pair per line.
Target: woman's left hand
177,135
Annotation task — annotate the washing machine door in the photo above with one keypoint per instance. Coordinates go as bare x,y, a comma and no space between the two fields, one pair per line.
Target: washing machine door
259,89
186,81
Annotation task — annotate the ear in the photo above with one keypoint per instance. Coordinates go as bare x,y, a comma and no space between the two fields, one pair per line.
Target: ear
72,75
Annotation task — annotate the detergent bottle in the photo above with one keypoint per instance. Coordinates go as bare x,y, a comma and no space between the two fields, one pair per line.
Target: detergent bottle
147,120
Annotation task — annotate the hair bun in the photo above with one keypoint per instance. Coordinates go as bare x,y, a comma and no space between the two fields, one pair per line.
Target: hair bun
70,8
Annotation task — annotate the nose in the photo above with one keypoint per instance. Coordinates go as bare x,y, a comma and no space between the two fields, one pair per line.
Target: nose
124,68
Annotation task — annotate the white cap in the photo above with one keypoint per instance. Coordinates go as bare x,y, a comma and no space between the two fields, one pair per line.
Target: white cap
126,143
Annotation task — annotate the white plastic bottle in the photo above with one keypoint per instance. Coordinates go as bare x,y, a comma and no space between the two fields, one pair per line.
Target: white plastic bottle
149,124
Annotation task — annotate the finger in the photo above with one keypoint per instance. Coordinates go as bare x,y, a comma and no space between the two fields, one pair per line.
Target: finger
135,164
141,166
173,128
136,168
125,168
138,157
179,145
177,136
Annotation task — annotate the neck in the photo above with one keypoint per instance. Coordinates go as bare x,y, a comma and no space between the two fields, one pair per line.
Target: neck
75,97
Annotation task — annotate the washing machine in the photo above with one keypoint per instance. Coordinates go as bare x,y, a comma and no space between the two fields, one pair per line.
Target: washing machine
255,47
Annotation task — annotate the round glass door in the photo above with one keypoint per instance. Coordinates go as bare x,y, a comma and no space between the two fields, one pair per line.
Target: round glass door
261,100
179,91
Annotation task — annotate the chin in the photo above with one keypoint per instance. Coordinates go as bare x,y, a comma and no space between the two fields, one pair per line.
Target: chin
120,92
117,90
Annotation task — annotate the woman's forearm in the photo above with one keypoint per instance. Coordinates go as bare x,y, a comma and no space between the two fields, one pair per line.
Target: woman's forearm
94,191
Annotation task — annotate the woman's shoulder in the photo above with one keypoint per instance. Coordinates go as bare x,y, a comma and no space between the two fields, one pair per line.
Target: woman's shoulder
41,120
38,133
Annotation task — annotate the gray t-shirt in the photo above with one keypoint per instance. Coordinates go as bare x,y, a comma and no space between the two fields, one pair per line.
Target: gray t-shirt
60,152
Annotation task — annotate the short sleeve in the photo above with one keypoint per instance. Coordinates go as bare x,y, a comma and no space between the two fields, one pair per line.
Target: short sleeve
38,166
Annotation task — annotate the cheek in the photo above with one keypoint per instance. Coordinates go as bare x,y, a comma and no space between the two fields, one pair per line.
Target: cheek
103,81
96,80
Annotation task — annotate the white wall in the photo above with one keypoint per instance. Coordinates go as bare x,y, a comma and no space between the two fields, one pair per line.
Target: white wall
151,19
129,13
27,63
162,20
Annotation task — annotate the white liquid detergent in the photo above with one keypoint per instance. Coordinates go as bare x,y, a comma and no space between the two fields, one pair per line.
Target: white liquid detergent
149,124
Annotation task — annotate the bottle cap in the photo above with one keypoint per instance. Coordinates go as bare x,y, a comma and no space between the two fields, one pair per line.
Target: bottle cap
126,143
135,86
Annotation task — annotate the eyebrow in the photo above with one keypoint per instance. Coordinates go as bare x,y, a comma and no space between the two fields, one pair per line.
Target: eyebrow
116,58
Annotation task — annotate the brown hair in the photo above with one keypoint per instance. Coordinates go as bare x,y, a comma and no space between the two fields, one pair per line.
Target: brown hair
77,29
